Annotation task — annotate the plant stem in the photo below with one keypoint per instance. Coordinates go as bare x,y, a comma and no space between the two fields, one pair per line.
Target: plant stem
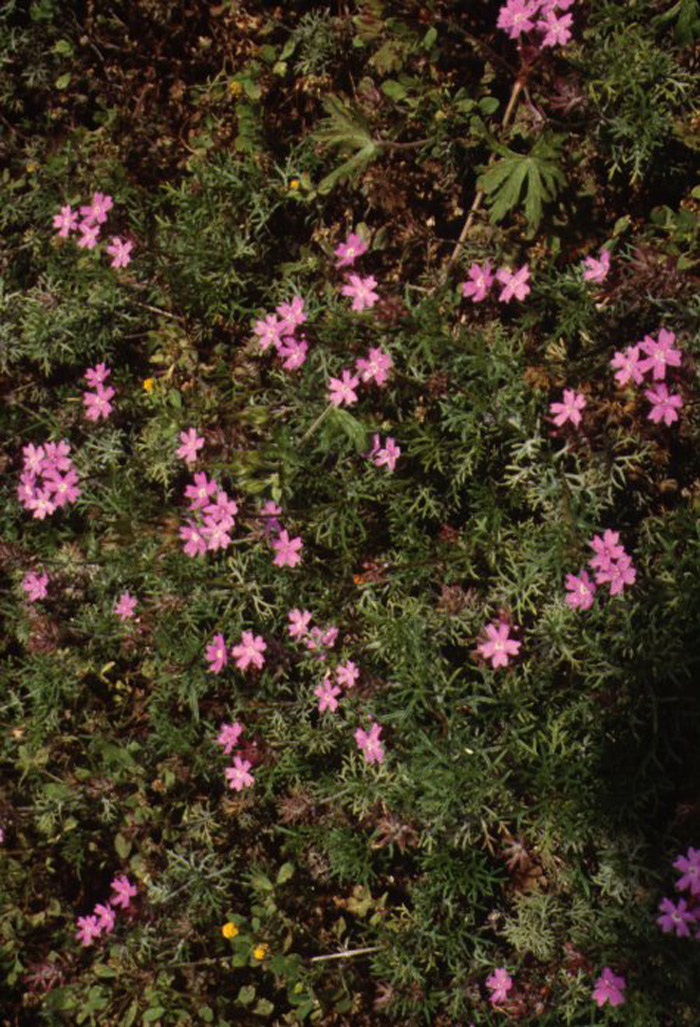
347,954
321,417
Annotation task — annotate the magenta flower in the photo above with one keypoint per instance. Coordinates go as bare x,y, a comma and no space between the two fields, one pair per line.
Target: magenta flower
368,742
388,455
268,332
238,776
581,591
628,366
229,735
557,32
64,489
327,693
595,270
97,375
120,252
292,315
270,511
346,674
216,655
88,235
689,866
287,550
347,252
195,544
376,367
499,984
618,574
570,409
33,458
665,405
56,456
216,533
498,647
609,988
191,442
516,17
199,492
675,918
606,549
97,404
105,917
514,283
298,623
660,354
88,929
123,891
125,606
66,222
35,585
40,505
342,390
293,351
223,510
481,282
98,209
361,292
249,650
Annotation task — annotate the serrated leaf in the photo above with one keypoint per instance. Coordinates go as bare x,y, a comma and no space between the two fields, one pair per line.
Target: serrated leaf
537,173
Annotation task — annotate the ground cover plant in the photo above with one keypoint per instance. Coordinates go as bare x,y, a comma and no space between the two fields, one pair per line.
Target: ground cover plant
349,546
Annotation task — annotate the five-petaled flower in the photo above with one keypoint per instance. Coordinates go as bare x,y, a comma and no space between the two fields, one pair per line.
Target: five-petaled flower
595,270
97,209
499,984
268,331
249,650
298,623
661,353
689,866
514,283
675,917
346,674
216,655
120,252
570,409
229,735
88,235
342,390
97,404
516,17
191,442
287,550
375,366
581,591
347,252
35,585
361,292
368,742
481,280
628,366
557,31
664,405
609,988
88,929
326,693
238,775
498,647
292,315
125,606
123,891
66,222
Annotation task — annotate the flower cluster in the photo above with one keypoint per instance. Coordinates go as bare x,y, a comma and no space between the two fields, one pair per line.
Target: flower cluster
514,283
213,516
386,455
611,563
374,367
609,987
249,651
660,354
238,774
519,16
315,639
94,215
287,549
103,918
48,480
279,332
97,403
681,916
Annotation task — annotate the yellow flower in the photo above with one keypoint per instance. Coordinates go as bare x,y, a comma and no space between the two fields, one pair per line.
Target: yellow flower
294,182
235,88
229,930
32,167
148,384
260,951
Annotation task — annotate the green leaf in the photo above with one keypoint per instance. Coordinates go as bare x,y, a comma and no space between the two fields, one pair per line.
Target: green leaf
246,994
64,47
524,179
122,845
264,1007
102,970
63,81
154,1013
393,89
285,872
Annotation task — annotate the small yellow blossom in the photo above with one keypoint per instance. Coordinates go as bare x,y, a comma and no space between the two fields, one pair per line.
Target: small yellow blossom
32,167
260,951
229,930
294,182
235,88
148,384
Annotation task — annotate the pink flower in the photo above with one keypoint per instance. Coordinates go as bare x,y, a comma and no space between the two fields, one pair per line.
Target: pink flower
33,458
499,984
123,891
56,456
516,17
689,865
609,988
481,282
120,251
361,291
62,490
238,776
557,32
327,693
98,209
97,375
388,455
293,351
229,735
215,654
618,574
342,390
348,251
664,404
35,585
223,510
269,511
376,367
287,550
292,315
660,353
595,270
105,917
369,743
125,606
346,674
268,332
200,491
514,283
88,235
195,545
581,591
629,366
499,646
40,505
249,650
675,918
97,404
66,222
216,534
88,929
570,409
191,442
298,623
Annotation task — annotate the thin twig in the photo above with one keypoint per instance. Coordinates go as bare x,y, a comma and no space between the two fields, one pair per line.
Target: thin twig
347,954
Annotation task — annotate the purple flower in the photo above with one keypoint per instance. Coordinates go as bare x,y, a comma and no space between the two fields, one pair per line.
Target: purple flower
368,742
216,534
675,918
361,292
498,647
388,455
348,251
628,366
216,654
238,776
63,490
376,367
570,409
606,549
66,222
287,550
229,735
120,252
481,282
105,917
33,458
125,606
223,510
56,456
122,891
191,442
98,209
88,929
665,405
342,390
249,650
618,574
595,270
581,591
514,283
499,984
609,988
35,585
689,866
327,693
